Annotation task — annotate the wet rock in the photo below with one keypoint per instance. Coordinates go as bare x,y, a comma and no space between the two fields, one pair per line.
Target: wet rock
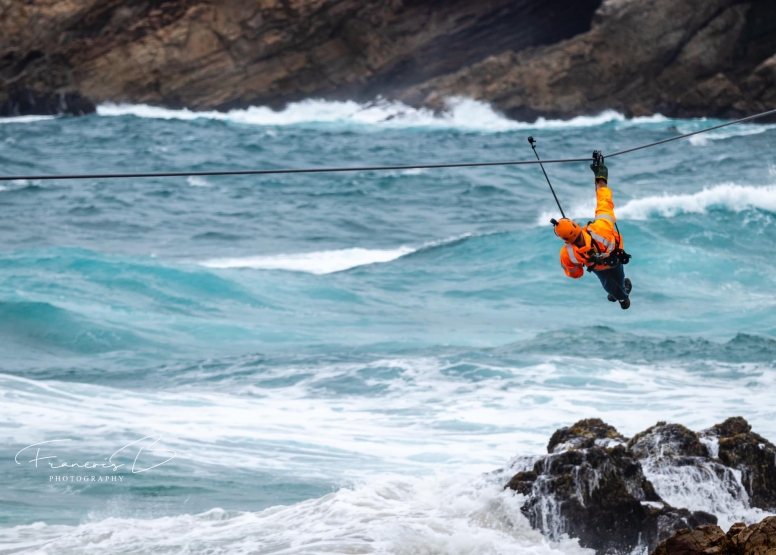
753,455
679,462
25,102
667,440
616,494
590,487
585,434
757,539
708,539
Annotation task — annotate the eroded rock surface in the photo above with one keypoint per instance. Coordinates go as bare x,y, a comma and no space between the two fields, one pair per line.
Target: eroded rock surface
205,54
688,58
757,539
617,494
753,455
529,58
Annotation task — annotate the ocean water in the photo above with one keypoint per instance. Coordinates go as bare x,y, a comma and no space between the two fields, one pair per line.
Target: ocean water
354,363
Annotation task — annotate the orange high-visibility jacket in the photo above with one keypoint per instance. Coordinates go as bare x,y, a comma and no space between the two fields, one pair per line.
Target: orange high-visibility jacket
602,231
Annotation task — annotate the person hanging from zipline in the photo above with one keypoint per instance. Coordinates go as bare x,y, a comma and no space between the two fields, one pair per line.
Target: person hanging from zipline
597,246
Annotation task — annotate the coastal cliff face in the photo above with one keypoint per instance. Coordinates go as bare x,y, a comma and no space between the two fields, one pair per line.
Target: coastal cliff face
680,58
529,58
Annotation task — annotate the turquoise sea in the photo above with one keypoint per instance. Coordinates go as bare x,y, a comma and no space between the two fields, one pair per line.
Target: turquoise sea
337,363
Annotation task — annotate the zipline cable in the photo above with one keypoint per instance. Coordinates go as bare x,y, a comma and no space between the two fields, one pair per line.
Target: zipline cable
756,116
366,168
273,172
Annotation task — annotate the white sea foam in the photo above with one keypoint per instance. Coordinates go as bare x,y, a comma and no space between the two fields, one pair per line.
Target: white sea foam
462,113
432,423
727,196
437,427
739,131
321,262
196,181
17,184
389,516
707,486
25,119
456,423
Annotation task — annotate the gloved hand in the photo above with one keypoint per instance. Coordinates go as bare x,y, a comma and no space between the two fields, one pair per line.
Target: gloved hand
601,171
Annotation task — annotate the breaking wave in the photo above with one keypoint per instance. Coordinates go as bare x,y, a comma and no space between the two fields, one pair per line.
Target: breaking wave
25,119
727,196
391,515
741,131
462,113
323,262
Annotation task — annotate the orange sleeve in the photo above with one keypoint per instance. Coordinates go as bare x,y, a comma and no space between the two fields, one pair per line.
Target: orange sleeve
605,219
571,269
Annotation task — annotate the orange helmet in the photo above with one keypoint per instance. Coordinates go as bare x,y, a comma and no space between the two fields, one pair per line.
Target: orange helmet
568,230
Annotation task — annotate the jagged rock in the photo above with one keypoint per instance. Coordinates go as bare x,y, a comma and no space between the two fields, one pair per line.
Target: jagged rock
753,455
616,494
24,102
667,440
233,53
590,487
689,58
678,463
757,539
530,58
585,434
708,539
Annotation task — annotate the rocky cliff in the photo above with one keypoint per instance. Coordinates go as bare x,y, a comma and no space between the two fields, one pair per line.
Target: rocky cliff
618,495
555,58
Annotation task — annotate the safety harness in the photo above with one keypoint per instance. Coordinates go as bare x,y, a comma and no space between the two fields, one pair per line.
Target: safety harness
603,258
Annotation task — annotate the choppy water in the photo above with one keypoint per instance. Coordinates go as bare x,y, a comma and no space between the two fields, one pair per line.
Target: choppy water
336,359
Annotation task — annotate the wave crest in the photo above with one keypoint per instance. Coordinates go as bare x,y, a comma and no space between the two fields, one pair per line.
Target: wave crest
462,113
324,262
390,515
727,196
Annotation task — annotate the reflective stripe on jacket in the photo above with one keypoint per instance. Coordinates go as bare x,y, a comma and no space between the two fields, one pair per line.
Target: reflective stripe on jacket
602,232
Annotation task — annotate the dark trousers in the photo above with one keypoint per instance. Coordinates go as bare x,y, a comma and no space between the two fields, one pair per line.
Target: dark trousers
613,281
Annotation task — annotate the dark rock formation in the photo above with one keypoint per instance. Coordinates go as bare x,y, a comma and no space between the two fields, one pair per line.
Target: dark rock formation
757,539
590,487
227,53
595,485
583,435
711,57
530,58
753,455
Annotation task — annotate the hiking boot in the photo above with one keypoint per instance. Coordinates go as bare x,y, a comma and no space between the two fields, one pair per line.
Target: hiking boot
628,286
625,305
611,299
